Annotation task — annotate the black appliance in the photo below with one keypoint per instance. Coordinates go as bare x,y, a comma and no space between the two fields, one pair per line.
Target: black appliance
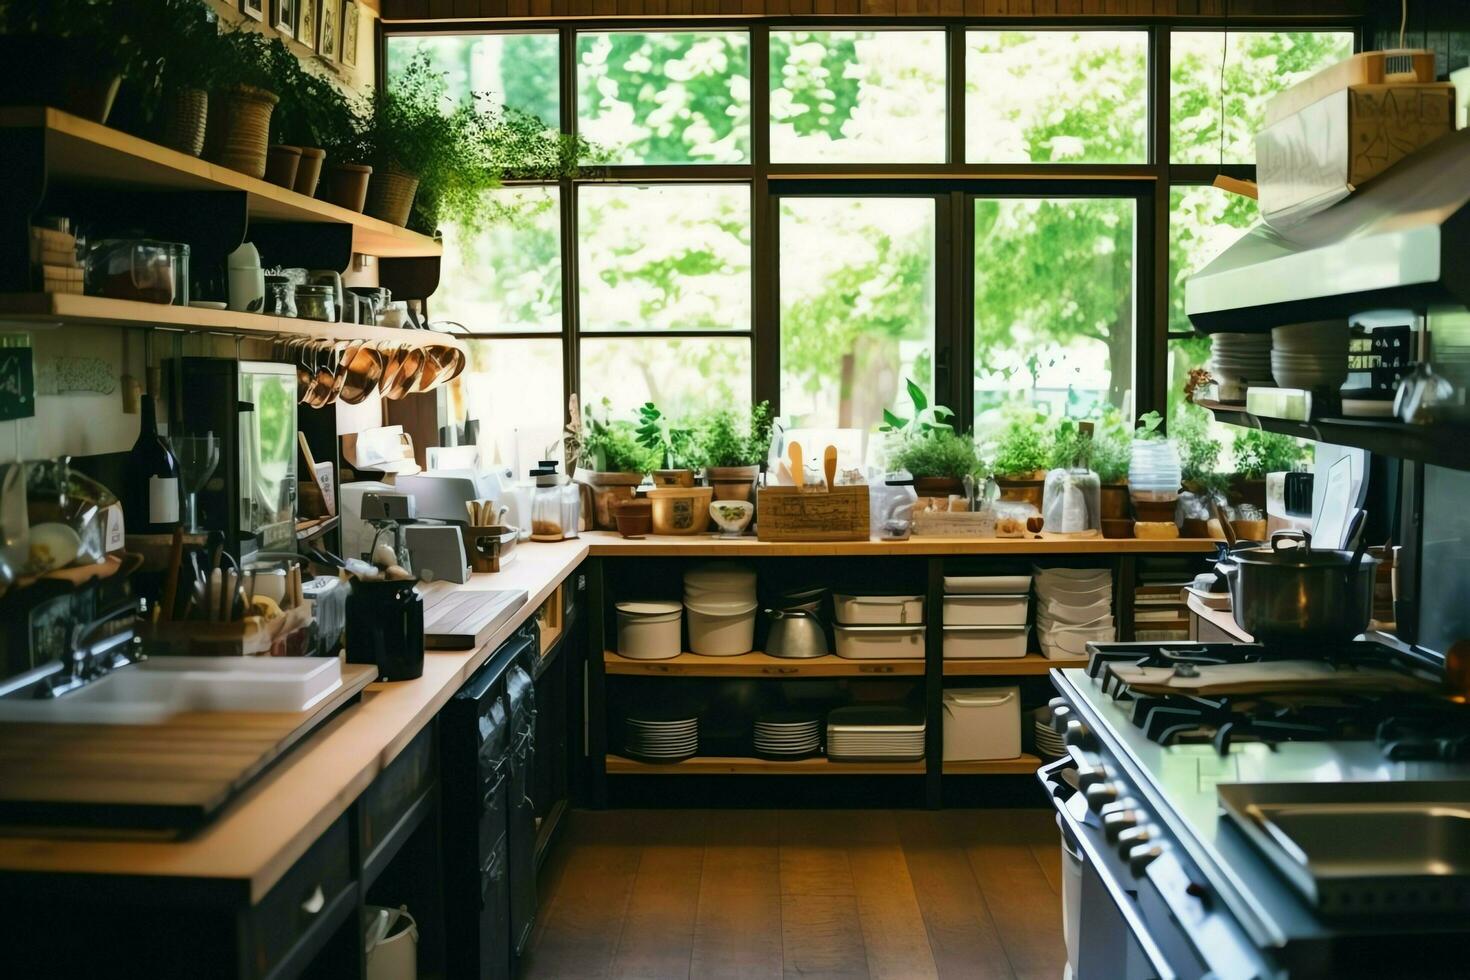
385,627
488,738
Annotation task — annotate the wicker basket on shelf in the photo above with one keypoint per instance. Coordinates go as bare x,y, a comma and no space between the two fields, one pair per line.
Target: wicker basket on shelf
246,118
390,195
185,113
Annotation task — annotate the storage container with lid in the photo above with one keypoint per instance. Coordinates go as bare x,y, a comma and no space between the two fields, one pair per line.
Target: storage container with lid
891,507
880,642
546,506
982,723
721,628
984,642
878,610
649,630
986,610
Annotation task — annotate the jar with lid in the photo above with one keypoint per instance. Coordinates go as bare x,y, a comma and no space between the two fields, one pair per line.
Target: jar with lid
891,507
315,302
547,504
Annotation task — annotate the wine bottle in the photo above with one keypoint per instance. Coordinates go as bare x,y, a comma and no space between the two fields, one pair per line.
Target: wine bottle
153,480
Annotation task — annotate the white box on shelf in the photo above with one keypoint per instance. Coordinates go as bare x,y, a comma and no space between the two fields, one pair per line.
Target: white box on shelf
878,610
982,723
984,642
880,642
986,610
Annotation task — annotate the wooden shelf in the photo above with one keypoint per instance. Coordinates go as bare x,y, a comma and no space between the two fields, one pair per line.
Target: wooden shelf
612,545
1032,663
81,151
742,766
760,665
1021,765
1442,445
39,309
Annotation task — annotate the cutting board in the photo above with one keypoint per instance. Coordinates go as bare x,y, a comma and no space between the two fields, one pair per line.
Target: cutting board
1269,677
456,618
163,779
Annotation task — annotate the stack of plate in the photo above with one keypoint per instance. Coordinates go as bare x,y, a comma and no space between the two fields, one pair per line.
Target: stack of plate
1239,361
1074,607
787,735
1310,355
1049,744
662,736
875,733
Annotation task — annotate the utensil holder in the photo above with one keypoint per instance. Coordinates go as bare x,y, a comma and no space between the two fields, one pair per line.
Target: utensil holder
489,547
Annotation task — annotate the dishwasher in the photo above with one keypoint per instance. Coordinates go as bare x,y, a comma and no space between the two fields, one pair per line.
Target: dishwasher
487,738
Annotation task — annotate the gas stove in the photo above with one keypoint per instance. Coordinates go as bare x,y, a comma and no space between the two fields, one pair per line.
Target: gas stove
1170,886
1406,726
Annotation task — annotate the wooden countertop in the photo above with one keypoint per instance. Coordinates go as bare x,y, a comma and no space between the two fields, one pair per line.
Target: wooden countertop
610,544
261,834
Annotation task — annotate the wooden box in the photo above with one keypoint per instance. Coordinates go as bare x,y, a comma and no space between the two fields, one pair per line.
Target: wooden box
790,514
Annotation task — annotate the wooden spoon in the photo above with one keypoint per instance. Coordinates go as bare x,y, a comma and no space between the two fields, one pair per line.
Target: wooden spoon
1226,527
798,465
829,465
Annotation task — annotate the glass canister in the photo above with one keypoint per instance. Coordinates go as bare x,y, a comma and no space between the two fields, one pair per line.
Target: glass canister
139,269
546,507
571,509
314,302
1072,501
280,296
891,507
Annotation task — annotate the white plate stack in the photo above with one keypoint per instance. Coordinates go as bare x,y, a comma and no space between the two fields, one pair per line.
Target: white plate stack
1074,607
787,735
1049,744
1239,361
875,733
719,602
1310,355
662,736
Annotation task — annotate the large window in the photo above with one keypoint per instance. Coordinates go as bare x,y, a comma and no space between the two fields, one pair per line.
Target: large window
970,208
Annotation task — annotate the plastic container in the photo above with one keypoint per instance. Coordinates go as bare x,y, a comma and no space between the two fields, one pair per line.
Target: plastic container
986,584
982,723
680,510
1071,644
720,579
392,944
891,508
547,507
986,610
984,642
721,629
649,630
878,610
1074,615
880,642
1072,501
1153,470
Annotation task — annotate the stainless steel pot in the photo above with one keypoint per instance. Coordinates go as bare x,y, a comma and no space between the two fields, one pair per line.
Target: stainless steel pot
1297,595
795,634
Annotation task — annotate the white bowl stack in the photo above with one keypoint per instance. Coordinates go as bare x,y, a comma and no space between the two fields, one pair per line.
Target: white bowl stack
720,602
1310,355
1239,361
1074,607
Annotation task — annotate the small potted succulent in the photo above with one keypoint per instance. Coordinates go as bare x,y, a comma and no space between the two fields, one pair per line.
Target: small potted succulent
674,444
612,462
733,447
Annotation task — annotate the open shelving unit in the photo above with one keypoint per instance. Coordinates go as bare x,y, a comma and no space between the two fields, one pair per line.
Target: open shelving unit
1022,765
707,765
760,665
1030,665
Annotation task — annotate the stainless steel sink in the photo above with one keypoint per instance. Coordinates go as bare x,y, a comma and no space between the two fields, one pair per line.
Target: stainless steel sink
1364,848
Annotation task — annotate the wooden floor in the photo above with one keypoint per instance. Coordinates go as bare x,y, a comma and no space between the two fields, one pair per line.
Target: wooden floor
837,893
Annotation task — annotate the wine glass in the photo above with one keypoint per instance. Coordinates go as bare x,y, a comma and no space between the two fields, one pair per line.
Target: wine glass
198,455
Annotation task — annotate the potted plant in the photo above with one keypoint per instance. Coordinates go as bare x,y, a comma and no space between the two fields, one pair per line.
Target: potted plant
734,448
1199,458
1258,453
1111,454
70,54
612,463
180,40
938,461
314,113
674,444
241,102
1020,457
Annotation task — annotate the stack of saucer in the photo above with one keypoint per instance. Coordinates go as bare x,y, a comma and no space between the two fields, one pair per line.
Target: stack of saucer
787,735
883,733
1049,744
1239,361
1310,355
662,736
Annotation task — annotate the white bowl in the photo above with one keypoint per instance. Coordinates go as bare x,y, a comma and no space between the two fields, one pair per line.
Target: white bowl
731,516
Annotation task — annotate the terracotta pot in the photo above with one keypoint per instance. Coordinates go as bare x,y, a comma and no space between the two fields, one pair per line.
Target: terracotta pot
56,71
1114,503
345,185
938,486
634,518
310,170
733,482
185,120
246,118
1117,527
608,490
673,478
281,164
390,196
1026,490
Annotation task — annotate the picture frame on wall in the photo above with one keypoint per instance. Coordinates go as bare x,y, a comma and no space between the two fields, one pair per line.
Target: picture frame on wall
351,24
329,39
283,17
306,20
254,9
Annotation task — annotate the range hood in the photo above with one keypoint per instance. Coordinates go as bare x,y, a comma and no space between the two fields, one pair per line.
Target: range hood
1403,242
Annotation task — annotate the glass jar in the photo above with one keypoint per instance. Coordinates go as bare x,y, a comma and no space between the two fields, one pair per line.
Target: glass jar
1072,501
280,296
547,503
891,508
1153,470
571,509
316,303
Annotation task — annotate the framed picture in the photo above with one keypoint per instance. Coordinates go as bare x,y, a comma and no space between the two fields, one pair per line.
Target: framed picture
329,39
306,22
350,22
254,9
283,17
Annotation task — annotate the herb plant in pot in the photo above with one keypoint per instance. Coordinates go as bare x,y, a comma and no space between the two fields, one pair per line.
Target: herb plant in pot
1020,456
1199,458
181,43
1257,454
241,102
928,446
1111,455
314,113
674,444
70,54
612,463
733,449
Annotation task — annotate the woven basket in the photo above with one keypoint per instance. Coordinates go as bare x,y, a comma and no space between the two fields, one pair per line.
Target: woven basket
185,114
310,170
246,134
282,161
390,196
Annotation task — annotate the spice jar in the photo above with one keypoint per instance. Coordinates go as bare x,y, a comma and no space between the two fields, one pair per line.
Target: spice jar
546,507
316,303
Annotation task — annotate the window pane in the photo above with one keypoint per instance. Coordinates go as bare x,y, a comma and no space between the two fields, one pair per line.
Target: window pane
507,278
665,257
857,96
1056,97
682,376
669,97
1203,222
1257,66
514,388
1054,305
516,70
857,307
